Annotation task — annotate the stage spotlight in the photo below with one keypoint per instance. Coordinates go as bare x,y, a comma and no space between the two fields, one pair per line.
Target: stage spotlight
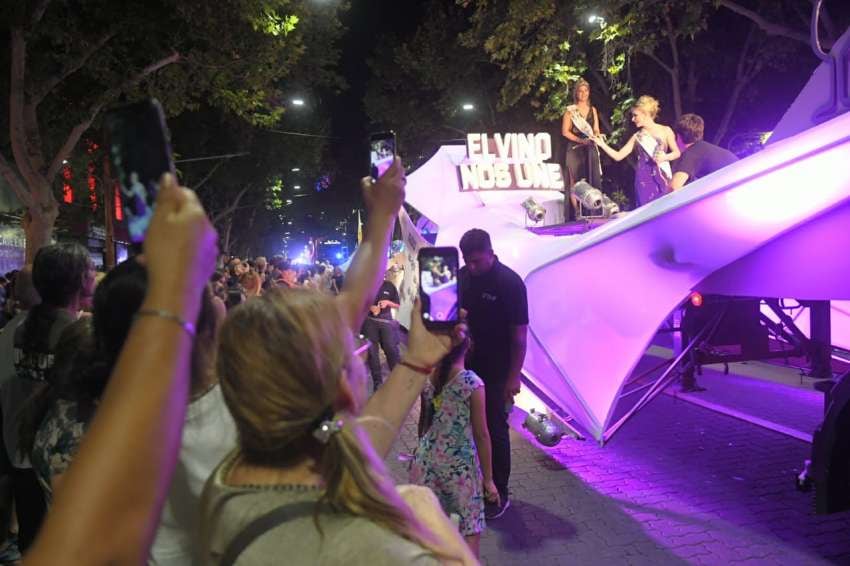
545,430
589,197
609,207
535,212
696,299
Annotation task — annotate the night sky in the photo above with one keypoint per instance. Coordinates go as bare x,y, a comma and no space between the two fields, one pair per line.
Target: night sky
367,21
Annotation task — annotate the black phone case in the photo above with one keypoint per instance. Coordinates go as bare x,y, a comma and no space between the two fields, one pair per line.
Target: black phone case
425,299
140,151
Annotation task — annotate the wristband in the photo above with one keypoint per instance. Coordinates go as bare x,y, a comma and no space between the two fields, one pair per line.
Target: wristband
168,315
424,370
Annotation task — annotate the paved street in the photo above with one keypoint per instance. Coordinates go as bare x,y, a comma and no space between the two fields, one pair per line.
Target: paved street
677,484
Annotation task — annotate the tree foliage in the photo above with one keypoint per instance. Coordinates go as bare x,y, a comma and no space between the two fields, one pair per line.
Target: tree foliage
419,85
246,195
69,61
718,58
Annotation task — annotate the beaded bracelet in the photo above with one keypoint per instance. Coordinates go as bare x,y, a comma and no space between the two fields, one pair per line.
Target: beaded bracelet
168,315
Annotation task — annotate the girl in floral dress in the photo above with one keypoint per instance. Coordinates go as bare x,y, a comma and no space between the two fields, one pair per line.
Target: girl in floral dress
454,455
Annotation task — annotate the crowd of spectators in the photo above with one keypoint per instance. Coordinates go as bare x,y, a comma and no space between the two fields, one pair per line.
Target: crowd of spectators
237,279
196,409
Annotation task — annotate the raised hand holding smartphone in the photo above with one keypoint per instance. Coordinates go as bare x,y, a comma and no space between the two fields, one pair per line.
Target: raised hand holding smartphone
140,151
438,288
382,150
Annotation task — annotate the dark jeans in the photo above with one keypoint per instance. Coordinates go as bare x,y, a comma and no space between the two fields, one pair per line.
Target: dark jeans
497,423
385,334
29,505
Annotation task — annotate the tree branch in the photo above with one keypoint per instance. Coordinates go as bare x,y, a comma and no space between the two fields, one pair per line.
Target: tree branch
230,209
38,12
744,54
209,174
768,27
453,129
22,148
749,66
671,38
69,69
108,96
661,63
13,180
600,80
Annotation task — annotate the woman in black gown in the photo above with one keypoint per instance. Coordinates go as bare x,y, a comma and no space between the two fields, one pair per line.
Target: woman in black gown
580,123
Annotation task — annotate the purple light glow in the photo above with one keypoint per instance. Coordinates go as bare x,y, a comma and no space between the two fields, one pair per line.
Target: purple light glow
597,299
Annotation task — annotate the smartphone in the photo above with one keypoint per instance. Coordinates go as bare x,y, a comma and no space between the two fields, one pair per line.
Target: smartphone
382,150
438,288
140,151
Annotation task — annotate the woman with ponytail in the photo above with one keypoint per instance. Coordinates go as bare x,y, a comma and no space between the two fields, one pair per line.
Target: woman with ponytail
306,483
454,453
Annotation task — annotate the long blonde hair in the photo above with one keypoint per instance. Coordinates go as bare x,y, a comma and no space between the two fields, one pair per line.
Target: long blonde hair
281,359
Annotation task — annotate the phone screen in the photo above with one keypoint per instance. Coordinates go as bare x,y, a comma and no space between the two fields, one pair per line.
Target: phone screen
140,152
438,268
382,150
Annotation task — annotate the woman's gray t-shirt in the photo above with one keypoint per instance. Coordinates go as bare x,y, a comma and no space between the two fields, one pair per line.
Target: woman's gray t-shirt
348,539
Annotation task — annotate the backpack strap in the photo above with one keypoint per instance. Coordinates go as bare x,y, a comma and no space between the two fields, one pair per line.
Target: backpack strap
261,525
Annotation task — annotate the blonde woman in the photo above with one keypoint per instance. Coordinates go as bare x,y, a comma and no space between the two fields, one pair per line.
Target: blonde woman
579,125
655,145
252,283
306,485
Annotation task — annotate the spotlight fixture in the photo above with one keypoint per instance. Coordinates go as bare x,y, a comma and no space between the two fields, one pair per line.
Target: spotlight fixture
468,107
589,197
298,102
545,430
534,211
609,207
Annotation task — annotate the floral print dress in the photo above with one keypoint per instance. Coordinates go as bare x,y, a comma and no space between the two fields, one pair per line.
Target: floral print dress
56,443
446,459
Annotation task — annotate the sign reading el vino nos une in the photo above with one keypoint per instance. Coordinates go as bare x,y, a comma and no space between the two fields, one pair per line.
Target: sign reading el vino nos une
510,161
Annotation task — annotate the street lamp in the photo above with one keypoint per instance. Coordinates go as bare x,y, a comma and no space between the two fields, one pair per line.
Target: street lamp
296,169
298,102
297,187
468,107
596,19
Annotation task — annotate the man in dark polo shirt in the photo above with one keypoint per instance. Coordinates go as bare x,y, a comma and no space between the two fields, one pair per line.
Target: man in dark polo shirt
381,329
699,158
494,297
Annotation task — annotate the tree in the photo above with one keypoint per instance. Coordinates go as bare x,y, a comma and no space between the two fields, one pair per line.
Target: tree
704,56
419,85
67,62
245,192
779,24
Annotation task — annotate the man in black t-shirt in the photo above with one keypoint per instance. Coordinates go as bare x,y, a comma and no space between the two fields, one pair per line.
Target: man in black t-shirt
381,329
494,297
699,158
